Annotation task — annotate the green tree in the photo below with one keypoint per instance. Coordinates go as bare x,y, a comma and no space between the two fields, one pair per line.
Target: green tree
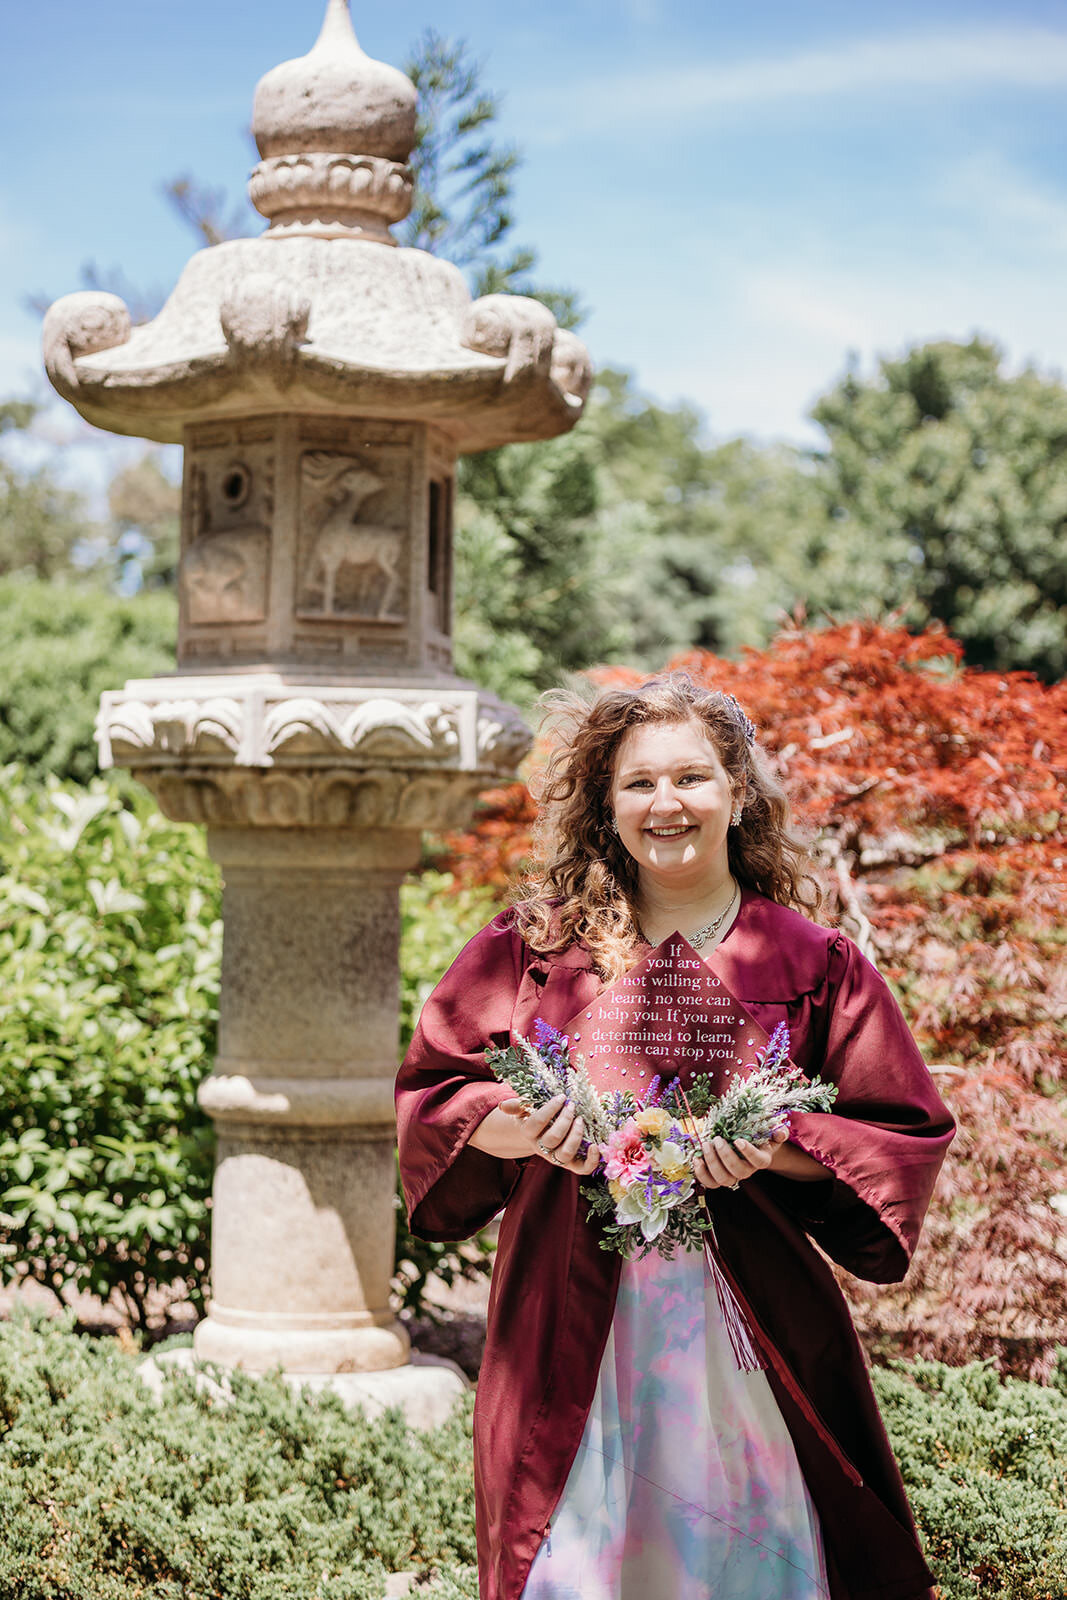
531,602
630,539
945,484
145,509
698,541
940,494
42,524
61,645
464,179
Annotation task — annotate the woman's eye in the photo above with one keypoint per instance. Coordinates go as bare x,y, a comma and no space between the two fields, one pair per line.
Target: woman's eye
687,777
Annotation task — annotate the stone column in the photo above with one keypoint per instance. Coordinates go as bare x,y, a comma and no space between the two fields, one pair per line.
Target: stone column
302,1098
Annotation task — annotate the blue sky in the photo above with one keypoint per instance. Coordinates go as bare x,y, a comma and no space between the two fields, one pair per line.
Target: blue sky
742,195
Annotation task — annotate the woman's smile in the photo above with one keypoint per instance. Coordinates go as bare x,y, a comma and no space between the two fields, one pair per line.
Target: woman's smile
671,799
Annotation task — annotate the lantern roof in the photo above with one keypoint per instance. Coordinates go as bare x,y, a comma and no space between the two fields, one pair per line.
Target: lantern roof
323,312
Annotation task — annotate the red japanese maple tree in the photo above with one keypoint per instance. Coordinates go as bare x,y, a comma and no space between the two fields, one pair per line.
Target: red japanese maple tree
935,798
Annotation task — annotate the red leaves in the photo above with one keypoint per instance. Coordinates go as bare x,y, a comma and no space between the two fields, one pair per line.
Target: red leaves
492,852
943,792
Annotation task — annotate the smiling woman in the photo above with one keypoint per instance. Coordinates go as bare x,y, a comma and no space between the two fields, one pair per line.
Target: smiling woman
619,1448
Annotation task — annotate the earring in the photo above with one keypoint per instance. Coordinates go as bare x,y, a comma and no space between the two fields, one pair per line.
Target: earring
735,820
614,825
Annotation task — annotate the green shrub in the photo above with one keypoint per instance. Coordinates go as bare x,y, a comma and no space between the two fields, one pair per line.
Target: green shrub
109,957
109,964
61,645
107,1494
985,1465
437,919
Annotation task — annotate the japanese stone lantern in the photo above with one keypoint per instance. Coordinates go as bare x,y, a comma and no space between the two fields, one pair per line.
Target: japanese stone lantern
322,381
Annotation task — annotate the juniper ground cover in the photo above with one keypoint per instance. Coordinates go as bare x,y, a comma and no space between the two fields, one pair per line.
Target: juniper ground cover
108,1494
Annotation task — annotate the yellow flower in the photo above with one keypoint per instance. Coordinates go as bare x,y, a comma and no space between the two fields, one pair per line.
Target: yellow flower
670,1159
616,1189
674,1171
654,1120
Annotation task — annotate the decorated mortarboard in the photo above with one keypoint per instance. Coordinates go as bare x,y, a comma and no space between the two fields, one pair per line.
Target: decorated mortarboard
668,1016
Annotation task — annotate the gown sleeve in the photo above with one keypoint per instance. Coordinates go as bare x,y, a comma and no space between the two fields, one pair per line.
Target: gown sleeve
444,1090
887,1135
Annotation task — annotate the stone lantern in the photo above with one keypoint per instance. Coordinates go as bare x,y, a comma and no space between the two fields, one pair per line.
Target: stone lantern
322,381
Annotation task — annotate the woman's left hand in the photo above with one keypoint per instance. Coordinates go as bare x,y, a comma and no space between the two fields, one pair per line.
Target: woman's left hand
723,1165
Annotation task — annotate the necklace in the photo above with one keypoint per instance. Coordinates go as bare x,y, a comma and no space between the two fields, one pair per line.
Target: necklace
699,939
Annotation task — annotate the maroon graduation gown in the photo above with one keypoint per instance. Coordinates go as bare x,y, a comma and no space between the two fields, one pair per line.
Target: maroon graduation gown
553,1291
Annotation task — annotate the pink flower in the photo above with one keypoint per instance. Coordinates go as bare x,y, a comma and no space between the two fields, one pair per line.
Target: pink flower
626,1158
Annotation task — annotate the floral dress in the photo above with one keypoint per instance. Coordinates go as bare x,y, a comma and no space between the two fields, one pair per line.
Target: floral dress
686,1485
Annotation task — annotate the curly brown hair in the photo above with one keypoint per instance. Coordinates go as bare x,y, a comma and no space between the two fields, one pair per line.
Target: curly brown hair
584,886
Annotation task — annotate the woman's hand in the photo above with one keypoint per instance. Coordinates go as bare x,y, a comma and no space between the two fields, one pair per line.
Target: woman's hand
554,1132
722,1165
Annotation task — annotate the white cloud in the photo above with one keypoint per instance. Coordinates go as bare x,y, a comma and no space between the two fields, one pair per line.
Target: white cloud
778,298
773,332
1034,58
996,195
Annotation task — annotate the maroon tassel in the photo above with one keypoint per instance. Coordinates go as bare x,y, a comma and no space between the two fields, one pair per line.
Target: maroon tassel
737,1326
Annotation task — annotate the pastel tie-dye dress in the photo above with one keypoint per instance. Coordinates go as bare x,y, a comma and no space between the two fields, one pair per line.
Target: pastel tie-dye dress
686,1485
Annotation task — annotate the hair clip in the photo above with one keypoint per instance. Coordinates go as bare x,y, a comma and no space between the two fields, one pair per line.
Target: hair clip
748,727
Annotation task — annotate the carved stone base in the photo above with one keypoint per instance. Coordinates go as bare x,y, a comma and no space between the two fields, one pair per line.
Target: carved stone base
375,1347
425,1388
302,798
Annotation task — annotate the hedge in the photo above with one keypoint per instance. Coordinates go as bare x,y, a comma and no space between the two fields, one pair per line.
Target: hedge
109,953
107,1494
110,942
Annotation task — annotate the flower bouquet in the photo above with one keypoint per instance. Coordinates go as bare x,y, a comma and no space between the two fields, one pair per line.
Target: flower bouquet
644,1190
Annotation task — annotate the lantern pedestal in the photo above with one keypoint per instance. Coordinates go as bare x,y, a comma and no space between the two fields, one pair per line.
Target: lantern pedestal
323,383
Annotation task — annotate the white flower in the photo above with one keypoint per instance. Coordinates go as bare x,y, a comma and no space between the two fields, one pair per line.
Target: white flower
647,1210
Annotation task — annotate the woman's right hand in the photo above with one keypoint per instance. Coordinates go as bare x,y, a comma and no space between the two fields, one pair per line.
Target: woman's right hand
553,1132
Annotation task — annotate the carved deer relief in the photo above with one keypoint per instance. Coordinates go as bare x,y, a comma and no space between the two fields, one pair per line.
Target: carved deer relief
337,488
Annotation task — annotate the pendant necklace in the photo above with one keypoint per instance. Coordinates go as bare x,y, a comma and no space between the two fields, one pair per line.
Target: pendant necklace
699,939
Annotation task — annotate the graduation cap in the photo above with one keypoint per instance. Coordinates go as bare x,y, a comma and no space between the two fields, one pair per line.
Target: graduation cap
669,1015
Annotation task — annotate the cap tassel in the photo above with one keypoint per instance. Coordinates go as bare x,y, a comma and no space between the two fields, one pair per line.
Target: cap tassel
738,1328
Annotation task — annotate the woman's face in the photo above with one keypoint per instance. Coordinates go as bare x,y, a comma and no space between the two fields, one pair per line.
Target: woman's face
672,801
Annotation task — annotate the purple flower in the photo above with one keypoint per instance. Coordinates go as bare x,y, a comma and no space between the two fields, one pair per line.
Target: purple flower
776,1051
553,1045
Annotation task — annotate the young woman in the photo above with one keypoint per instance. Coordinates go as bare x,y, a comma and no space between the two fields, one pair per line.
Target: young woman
619,1452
